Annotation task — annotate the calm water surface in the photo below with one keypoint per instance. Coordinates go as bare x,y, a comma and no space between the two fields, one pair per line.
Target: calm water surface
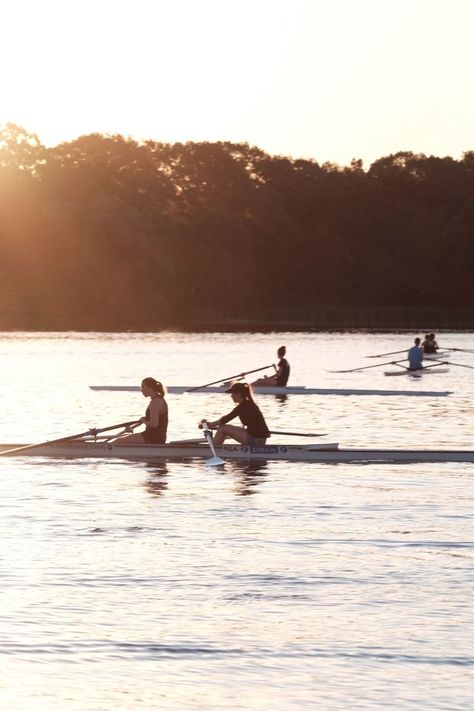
267,586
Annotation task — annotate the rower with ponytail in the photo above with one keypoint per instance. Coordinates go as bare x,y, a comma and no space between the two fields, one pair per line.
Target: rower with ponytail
255,430
156,416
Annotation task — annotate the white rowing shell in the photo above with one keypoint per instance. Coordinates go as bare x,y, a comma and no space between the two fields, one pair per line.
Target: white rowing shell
417,373
324,453
289,390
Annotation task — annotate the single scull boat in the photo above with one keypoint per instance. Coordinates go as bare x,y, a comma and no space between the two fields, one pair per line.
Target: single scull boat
429,370
288,390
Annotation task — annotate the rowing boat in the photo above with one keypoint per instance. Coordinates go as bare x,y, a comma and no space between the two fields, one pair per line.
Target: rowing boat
326,453
437,356
288,390
430,370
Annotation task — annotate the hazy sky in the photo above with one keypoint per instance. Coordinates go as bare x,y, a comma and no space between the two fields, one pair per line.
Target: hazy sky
325,79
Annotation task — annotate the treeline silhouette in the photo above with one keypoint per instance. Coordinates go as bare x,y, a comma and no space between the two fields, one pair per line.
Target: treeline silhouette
107,233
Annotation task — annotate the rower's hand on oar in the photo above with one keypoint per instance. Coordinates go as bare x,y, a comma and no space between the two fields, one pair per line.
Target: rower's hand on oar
204,424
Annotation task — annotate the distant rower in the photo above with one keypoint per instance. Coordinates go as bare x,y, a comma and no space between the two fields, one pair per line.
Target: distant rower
429,345
282,372
415,356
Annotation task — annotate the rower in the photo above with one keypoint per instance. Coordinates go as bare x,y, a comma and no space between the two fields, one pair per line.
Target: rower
282,374
255,430
415,356
429,345
155,419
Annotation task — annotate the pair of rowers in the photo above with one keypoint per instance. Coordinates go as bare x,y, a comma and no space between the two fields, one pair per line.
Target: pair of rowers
254,431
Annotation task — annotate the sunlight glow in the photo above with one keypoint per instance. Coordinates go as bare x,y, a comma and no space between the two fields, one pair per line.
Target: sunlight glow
308,78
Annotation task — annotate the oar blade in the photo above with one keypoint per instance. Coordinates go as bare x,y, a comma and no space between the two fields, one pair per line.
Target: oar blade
215,461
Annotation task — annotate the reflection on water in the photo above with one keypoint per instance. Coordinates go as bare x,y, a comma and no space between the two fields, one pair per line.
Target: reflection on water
248,475
155,482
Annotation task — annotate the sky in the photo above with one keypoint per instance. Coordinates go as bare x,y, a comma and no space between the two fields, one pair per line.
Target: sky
330,80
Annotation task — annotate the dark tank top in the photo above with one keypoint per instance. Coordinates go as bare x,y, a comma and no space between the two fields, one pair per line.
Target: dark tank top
285,372
157,435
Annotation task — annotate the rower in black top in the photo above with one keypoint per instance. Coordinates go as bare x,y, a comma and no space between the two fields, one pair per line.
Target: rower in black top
282,372
255,430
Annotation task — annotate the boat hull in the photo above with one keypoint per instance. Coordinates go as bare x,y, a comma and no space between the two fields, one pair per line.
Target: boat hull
328,453
293,390
417,373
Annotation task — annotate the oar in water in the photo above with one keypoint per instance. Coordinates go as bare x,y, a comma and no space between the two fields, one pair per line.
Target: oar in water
231,377
92,431
365,367
215,461
381,355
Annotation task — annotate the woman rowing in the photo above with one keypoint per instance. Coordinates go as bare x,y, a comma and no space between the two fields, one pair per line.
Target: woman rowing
282,374
155,419
255,430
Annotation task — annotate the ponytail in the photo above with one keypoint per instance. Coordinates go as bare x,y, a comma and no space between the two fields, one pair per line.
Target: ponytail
155,385
248,392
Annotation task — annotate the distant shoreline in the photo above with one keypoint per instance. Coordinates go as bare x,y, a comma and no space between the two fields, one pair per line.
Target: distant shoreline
317,319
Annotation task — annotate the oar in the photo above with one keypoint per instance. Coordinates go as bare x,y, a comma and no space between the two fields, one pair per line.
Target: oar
433,364
381,355
215,461
365,367
295,434
92,431
463,350
299,434
459,365
231,377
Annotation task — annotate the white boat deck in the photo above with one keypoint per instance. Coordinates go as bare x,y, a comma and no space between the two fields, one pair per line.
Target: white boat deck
324,453
428,370
288,390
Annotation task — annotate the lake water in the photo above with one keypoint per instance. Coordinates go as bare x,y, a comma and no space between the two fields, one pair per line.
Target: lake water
275,585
